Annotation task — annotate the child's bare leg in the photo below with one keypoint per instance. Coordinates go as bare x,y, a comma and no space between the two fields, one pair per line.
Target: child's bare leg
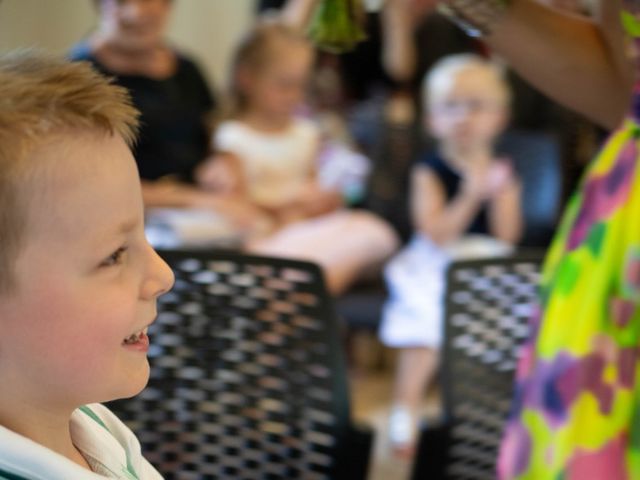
355,244
415,370
346,244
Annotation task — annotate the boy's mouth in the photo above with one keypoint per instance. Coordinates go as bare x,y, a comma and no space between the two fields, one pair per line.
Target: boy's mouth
138,339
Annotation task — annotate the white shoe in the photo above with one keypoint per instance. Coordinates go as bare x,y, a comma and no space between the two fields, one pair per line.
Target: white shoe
401,427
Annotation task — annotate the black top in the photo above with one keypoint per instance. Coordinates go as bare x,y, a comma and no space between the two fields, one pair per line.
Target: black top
173,135
451,181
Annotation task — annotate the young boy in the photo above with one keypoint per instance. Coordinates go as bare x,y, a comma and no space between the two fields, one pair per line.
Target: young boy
78,280
465,202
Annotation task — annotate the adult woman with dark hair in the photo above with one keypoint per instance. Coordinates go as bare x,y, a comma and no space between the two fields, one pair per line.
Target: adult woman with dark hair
173,97
577,405
167,87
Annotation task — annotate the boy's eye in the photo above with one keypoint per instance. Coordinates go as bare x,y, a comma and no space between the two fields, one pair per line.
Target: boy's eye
115,258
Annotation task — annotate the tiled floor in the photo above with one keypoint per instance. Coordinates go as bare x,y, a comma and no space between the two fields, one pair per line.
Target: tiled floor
371,382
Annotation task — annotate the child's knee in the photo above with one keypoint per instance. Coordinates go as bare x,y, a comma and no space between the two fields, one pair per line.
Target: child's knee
379,232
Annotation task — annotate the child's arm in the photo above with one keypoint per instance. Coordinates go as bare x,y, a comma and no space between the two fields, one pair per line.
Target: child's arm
399,19
312,201
171,194
224,173
435,218
165,193
316,200
221,172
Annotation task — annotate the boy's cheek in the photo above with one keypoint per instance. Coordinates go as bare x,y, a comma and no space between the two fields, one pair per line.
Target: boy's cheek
65,313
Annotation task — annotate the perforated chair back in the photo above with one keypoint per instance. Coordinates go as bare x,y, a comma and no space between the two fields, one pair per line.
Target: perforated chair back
247,375
488,307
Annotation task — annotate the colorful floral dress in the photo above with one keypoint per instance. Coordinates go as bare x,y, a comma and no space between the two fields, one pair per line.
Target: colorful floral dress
576,411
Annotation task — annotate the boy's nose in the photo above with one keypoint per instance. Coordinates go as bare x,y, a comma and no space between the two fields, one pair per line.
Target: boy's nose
160,277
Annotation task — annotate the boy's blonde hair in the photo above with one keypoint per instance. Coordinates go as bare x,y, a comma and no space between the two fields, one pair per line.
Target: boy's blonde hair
447,68
41,96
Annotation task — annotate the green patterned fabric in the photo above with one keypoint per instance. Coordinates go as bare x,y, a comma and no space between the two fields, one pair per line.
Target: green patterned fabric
576,412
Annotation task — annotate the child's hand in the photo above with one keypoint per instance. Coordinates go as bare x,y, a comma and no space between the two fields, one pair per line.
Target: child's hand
311,201
316,200
499,177
488,181
216,174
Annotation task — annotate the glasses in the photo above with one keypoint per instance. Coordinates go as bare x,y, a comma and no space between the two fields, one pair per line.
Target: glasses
457,107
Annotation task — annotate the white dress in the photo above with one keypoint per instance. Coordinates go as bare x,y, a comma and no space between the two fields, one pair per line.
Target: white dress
415,277
276,165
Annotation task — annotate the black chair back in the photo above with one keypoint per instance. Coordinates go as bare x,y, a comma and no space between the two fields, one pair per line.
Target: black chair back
488,307
247,375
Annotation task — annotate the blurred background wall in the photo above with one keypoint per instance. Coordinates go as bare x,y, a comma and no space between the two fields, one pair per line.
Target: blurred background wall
206,29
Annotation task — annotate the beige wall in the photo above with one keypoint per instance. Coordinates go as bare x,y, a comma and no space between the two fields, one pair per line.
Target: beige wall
207,29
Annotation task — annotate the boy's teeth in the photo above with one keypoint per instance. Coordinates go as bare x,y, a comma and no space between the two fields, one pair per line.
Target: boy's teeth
133,338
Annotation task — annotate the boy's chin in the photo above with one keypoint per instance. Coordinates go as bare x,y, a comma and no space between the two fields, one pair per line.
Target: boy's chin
130,387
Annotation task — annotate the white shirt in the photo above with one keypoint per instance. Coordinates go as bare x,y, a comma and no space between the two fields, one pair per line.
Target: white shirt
276,165
111,449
